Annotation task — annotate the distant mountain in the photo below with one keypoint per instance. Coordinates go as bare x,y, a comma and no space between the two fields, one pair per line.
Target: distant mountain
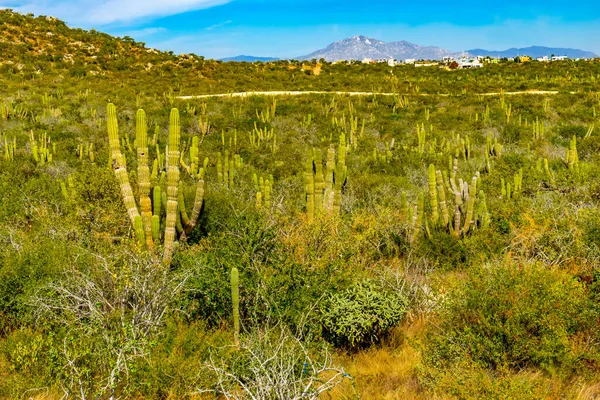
360,47
535,52
249,59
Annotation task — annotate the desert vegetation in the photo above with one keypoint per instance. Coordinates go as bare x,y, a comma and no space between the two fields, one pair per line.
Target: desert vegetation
292,247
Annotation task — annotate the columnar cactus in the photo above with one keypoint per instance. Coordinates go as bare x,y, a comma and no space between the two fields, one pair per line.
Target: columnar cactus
235,300
324,191
433,198
173,185
117,161
143,175
572,158
147,224
442,196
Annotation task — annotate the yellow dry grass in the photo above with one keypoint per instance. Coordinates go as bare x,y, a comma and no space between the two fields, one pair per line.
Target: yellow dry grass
387,372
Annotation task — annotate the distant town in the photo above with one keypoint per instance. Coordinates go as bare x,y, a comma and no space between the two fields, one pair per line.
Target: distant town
464,62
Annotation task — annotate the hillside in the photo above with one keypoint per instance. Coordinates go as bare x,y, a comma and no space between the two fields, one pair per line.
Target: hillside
45,40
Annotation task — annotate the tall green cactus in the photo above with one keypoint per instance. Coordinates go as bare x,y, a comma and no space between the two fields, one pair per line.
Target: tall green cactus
309,183
442,196
117,161
143,175
235,300
433,198
469,221
173,184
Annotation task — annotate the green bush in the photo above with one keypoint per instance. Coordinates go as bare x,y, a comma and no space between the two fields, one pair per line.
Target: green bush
361,315
508,316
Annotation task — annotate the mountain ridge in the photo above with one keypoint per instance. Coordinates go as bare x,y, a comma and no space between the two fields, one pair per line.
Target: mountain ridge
359,47
535,52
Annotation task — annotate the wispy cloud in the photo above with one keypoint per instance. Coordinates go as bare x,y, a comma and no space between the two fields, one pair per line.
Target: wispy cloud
106,12
140,33
215,26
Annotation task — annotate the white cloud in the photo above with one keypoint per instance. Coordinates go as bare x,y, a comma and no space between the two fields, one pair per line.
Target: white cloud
106,12
139,33
215,26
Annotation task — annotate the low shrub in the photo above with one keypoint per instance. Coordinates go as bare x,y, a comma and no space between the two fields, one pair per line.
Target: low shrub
515,317
361,316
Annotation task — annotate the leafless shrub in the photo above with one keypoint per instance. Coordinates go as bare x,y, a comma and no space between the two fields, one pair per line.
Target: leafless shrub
114,308
273,364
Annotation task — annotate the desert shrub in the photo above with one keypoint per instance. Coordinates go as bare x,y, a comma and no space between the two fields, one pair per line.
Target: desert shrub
274,364
510,316
361,316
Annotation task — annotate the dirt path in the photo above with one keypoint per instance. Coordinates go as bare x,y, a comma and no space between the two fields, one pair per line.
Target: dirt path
307,92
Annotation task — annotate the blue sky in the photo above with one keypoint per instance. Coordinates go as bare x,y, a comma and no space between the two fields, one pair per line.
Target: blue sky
221,28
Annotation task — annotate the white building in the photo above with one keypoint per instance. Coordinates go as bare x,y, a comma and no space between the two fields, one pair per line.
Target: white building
543,59
469,63
410,61
559,58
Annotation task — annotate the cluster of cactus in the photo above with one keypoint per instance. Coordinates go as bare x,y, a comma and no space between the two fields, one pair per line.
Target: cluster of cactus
324,189
385,157
237,112
512,191
348,128
41,152
12,110
263,135
400,102
538,129
147,223
542,167
414,216
421,138
203,125
546,105
231,140
307,120
267,115
226,168
10,146
190,110
469,209
86,151
506,108
264,188
493,148
193,169
458,147
571,156
486,114
330,107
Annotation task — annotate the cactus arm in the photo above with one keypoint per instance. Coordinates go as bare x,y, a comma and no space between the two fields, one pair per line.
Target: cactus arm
191,224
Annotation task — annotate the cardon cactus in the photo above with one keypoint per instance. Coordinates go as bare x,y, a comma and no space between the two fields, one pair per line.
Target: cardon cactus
235,300
147,224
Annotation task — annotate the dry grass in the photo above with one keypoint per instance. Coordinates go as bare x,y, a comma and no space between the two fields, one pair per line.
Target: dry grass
387,372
